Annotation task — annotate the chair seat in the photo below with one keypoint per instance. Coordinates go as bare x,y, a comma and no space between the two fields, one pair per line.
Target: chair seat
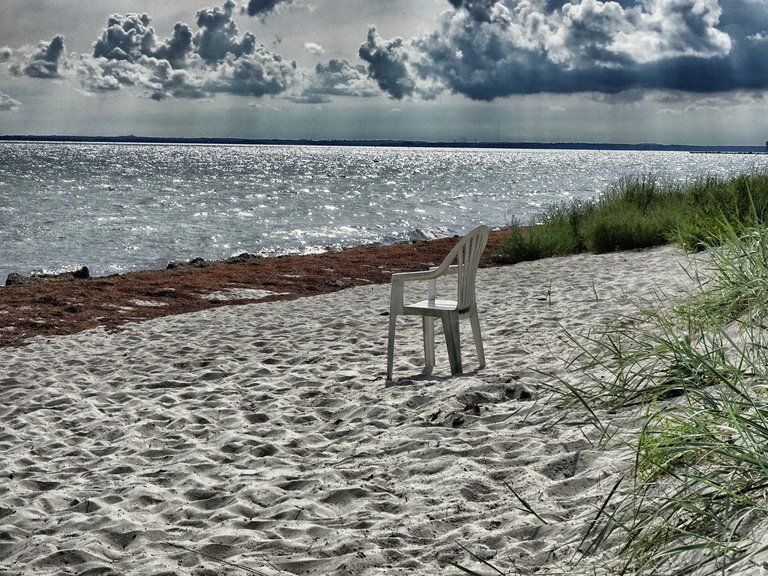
437,305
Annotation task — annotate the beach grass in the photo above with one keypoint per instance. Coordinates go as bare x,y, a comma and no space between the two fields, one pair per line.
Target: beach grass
694,371
682,381
640,212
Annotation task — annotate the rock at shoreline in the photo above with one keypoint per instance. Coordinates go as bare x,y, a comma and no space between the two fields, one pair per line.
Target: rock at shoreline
194,263
203,263
16,279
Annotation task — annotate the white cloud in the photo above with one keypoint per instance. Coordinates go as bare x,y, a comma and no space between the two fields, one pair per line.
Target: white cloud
339,78
7,103
313,48
672,28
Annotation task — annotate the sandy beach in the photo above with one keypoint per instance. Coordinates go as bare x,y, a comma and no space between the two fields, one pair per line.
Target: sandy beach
262,438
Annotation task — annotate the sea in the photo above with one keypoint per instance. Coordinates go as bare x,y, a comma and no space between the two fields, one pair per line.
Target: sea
118,207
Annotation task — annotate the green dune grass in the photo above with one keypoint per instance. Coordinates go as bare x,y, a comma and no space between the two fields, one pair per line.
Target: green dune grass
689,372
639,212
696,368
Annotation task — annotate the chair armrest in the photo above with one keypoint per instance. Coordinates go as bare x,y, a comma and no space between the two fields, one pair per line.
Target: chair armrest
421,275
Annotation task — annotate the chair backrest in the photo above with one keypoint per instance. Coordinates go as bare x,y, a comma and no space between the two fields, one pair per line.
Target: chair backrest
467,254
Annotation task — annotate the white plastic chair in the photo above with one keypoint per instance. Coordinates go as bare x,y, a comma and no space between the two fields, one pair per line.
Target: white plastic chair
466,255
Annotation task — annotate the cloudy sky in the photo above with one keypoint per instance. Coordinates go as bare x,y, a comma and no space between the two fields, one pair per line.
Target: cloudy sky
666,71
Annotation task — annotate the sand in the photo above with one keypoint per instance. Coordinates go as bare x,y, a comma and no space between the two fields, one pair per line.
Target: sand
263,438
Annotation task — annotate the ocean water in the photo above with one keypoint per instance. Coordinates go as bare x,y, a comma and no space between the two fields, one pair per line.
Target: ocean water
122,207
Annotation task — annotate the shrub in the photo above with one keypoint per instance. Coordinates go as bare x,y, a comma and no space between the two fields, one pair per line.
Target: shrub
638,212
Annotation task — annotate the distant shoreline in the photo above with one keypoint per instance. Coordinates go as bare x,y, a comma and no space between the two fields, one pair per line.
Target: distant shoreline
131,139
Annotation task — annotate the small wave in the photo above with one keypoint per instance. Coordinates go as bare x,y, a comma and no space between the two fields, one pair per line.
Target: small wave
432,233
418,234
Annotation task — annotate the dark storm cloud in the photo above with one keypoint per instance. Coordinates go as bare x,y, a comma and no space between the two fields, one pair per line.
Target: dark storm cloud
125,38
486,49
387,64
218,34
47,61
482,49
264,7
130,37
177,48
238,65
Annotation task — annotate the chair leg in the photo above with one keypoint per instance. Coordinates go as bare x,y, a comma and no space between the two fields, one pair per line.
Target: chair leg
477,336
429,344
391,345
451,329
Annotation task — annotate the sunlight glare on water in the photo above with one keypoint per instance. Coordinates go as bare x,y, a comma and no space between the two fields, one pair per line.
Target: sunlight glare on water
121,207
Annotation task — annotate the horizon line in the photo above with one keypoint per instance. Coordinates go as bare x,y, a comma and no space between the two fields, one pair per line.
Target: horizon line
374,142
